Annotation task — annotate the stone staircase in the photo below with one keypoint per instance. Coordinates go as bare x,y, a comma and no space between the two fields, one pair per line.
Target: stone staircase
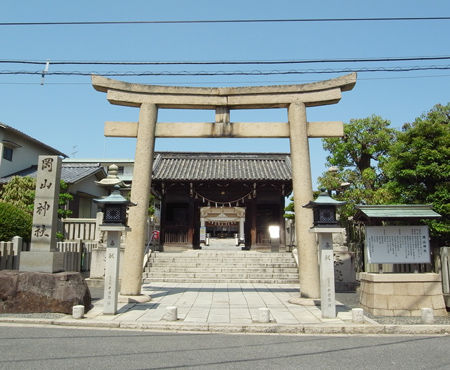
221,266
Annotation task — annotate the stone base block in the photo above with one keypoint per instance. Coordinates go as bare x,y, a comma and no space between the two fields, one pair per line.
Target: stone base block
33,261
401,294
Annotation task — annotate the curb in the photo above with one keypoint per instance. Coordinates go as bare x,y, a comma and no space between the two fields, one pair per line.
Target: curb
351,329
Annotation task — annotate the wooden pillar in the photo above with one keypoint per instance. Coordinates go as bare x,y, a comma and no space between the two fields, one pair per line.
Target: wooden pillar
302,186
196,221
253,223
140,193
162,222
191,223
282,224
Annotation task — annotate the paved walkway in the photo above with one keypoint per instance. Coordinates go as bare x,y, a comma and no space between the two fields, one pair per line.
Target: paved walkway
221,303
224,307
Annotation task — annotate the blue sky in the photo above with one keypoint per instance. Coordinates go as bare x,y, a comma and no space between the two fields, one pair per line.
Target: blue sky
68,114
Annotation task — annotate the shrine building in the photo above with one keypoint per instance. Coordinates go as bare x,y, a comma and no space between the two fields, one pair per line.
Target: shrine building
223,195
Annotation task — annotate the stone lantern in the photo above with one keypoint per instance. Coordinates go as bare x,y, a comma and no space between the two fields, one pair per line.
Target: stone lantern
114,207
325,224
324,208
114,224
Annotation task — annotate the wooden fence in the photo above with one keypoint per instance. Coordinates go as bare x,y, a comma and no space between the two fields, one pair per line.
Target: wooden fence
77,254
81,228
10,253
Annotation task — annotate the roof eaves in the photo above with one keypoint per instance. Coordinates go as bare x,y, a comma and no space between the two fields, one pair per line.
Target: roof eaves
32,139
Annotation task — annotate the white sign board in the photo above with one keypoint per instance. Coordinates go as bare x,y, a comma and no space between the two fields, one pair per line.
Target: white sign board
397,244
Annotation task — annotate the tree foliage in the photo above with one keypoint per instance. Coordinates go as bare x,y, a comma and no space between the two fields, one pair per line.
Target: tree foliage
14,221
19,191
419,166
357,159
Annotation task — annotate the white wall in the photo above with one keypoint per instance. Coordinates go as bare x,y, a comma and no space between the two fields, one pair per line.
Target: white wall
23,157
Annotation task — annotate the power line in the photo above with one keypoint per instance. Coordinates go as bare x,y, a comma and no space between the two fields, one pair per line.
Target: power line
228,81
229,62
203,21
229,73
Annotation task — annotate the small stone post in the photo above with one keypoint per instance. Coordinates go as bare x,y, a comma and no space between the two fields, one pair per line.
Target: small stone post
241,230
264,314
327,291
111,291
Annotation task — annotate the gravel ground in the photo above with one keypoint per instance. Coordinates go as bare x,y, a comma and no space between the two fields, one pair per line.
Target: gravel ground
37,315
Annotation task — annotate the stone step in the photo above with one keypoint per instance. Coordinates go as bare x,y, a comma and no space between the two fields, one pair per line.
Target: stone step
180,269
221,253
200,265
222,260
223,275
256,281
220,266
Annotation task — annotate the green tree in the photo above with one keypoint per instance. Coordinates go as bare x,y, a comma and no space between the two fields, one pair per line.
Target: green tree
19,191
64,198
358,158
14,221
289,211
419,167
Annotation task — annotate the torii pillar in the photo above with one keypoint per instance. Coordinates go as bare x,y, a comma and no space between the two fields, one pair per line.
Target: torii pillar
296,98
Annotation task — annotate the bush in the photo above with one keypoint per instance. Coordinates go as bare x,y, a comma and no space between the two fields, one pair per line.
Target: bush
14,221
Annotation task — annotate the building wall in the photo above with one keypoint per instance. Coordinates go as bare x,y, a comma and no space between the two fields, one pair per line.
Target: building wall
25,154
84,193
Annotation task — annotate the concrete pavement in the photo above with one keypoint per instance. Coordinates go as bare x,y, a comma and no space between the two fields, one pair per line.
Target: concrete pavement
226,307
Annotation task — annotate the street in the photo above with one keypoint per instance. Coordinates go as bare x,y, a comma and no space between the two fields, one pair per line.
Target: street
61,348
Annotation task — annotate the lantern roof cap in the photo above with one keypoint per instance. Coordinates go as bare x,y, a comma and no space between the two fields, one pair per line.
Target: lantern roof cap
114,198
324,199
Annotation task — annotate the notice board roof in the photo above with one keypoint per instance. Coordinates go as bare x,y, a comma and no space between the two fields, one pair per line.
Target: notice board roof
395,212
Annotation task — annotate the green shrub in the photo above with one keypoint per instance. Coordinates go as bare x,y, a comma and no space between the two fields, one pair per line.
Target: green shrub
14,221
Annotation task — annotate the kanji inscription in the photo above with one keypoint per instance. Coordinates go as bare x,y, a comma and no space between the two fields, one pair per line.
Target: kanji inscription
397,244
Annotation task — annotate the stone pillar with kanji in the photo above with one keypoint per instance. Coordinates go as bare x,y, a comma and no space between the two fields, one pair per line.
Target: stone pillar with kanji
43,256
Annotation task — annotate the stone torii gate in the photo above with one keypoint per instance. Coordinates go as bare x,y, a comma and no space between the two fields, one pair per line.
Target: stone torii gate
149,98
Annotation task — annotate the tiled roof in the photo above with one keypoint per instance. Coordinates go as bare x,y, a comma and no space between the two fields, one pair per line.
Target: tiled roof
222,166
70,173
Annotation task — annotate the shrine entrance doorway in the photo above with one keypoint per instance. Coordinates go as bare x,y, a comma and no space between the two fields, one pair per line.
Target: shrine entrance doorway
222,226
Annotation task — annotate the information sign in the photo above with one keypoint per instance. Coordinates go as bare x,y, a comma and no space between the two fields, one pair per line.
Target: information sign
397,244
